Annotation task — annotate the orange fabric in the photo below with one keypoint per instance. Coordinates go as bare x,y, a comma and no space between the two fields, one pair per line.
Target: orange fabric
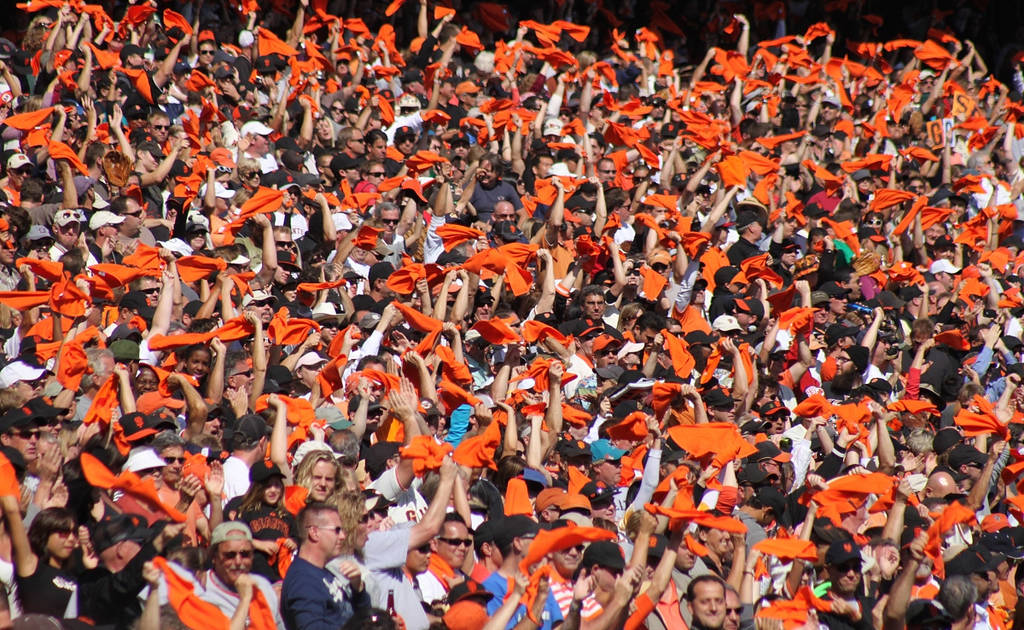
704,519
28,120
517,499
174,19
682,361
534,331
271,44
142,489
788,548
61,151
982,421
24,300
426,454
550,541
653,283
496,331
193,611
633,427
8,479
452,235
577,480
418,320
478,451
194,268
721,439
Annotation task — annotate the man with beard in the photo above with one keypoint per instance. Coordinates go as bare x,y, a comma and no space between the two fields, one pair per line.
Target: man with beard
850,365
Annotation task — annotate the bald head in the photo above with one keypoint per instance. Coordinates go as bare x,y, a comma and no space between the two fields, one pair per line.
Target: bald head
940,483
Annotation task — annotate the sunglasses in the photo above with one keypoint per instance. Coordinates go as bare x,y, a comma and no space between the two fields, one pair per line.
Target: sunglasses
231,555
27,434
206,52
174,460
377,173
249,174
457,542
424,549
336,529
161,126
43,244
389,221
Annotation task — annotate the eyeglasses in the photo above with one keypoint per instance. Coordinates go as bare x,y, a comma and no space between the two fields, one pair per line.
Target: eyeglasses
389,221
424,549
43,244
286,244
607,352
356,140
151,291
248,174
245,554
607,171
161,126
659,267
457,542
733,611
336,529
208,51
377,173
27,434
245,373
338,110
133,214
174,460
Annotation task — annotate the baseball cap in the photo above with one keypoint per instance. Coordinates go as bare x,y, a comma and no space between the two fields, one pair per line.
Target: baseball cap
970,561
119,528
255,127
467,87
17,161
602,450
964,454
143,459
249,429
603,553
552,127
230,530
104,217
309,360
261,471
18,371
842,551
67,217
943,266
726,323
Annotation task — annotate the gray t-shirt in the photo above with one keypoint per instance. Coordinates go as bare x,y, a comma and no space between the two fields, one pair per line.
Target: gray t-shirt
384,555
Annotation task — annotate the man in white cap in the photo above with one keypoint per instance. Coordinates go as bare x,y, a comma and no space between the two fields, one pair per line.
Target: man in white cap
254,142
104,227
67,227
19,167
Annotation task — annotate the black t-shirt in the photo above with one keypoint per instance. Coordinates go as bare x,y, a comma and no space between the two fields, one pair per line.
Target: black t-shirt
45,592
265,524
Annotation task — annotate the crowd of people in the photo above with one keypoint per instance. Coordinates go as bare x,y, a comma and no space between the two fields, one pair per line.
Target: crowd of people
320,315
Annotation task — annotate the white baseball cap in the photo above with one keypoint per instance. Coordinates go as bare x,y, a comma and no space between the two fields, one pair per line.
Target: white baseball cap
552,127
943,266
255,127
725,323
143,459
104,217
341,221
309,360
17,161
67,217
17,372
177,246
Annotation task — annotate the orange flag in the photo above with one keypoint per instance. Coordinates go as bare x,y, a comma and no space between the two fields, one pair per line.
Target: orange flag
194,612
28,121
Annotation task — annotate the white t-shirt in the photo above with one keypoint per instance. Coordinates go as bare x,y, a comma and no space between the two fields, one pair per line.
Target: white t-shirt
236,478
409,505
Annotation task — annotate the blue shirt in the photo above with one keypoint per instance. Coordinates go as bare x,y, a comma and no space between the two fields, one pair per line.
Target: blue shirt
498,585
313,598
